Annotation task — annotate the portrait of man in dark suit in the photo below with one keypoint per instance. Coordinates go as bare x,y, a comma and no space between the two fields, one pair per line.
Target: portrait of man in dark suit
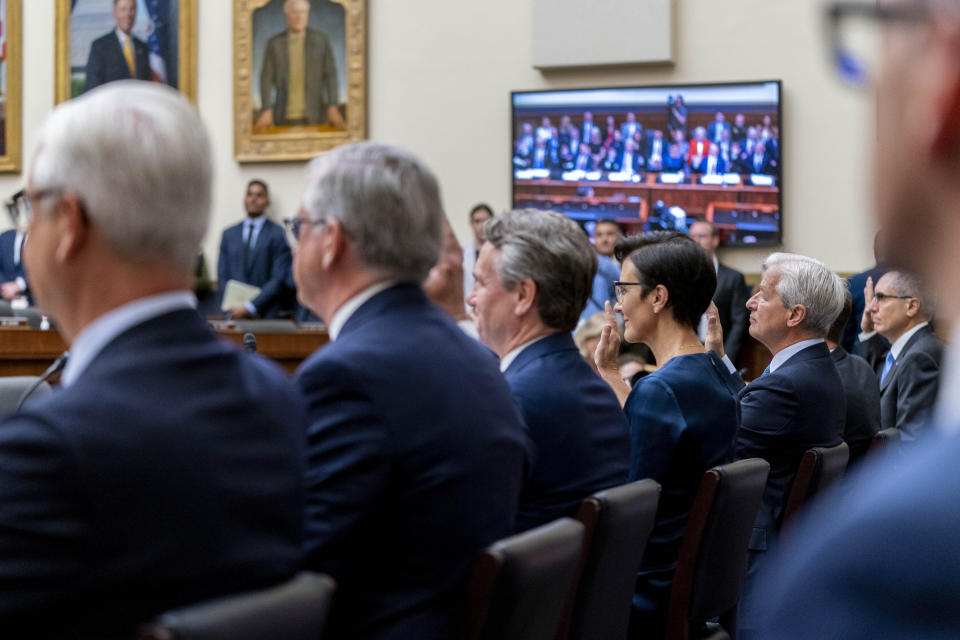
299,81
119,55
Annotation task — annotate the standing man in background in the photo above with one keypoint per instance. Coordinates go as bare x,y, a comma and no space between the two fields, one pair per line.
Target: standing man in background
479,214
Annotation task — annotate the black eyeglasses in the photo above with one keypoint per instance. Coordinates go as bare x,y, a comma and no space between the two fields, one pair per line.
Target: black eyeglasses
880,297
292,226
620,288
853,35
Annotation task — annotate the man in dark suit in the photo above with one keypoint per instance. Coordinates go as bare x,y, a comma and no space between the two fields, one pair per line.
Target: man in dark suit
533,276
416,452
13,278
167,469
760,161
656,149
716,128
255,252
798,402
909,370
298,82
860,386
118,55
731,294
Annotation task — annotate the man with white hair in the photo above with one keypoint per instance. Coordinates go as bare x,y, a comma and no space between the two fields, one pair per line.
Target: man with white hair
298,81
798,402
168,468
416,452
533,277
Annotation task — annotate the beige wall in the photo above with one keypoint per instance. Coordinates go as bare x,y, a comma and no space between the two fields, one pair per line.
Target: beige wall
440,76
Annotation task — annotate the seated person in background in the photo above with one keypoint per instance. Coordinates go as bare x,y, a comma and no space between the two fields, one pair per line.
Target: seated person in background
713,164
760,161
545,130
724,145
255,252
444,284
587,336
798,403
523,147
698,150
683,416
674,160
738,132
656,150
630,160
608,130
532,279
597,150
541,155
616,142
168,468
565,158
584,160
731,293
860,386
631,366
680,139
716,129
909,370
13,278
738,159
565,130
416,451
631,127
612,162
753,137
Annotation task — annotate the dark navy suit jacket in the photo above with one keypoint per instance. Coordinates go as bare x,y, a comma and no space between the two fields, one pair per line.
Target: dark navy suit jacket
169,473
416,455
577,426
11,269
731,299
879,558
106,62
683,421
862,390
269,268
782,414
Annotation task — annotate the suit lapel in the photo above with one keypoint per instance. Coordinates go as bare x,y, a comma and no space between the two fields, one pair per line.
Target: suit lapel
549,344
914,339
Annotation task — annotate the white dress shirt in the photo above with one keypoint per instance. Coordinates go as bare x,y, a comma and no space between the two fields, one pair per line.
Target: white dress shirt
779,357
899,343
102,331
350,307
508,359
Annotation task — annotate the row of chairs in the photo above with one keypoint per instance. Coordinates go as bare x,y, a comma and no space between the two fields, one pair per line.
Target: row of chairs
571,579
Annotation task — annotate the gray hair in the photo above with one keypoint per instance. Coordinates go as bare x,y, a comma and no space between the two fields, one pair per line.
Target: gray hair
388,203
554,252
136,154
808,282
907,284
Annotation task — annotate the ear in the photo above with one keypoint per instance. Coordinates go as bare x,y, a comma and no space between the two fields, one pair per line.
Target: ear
73,228
659,297
334,242
796,315
526,293
913,307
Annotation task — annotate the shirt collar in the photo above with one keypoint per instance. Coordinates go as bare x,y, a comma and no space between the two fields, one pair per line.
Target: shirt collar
121,36
102,331
257,222
350,307
780,357
901,342
508,359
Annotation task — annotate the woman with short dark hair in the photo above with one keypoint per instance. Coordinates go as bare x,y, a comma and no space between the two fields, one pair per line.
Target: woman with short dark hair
683,416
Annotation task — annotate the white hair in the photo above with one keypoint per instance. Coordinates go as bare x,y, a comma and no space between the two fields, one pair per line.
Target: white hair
809,282
137,157
388,203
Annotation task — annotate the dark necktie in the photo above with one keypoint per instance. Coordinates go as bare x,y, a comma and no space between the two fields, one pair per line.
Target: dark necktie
248,251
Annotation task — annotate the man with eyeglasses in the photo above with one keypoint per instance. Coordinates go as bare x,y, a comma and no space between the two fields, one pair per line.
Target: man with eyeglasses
880,558
909,370
416,452
167,469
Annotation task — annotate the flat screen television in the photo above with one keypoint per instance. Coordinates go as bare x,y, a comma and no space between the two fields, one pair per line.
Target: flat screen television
655,157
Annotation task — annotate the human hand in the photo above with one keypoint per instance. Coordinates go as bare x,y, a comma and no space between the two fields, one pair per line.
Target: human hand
608,349
866,321
714,337
239,313
9,290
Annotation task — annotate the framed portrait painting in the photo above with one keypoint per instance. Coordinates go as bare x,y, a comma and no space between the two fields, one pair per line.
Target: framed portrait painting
100,41
299,73
11,67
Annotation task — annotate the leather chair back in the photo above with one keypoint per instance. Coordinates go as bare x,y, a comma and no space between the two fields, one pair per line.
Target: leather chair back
617,524
519,585
294,610
713,554
818,469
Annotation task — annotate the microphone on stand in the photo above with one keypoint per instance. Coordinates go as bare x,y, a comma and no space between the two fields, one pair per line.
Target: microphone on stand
249,343
57,365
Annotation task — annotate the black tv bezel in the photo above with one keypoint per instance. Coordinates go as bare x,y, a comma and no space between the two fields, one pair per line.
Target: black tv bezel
767,244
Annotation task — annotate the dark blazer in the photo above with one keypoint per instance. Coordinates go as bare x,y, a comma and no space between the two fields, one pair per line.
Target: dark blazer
768,166
862,389
714,130
731,300
106,62
908,393
577,427
10,267
321,87
267,267
878,559
683,421
416,455
169,473
782,414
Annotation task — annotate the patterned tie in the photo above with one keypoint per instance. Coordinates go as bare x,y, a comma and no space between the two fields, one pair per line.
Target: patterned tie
128,54
887,365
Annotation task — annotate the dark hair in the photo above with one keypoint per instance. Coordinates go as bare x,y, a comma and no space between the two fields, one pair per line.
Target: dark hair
260,182
483,206
836,330
674,260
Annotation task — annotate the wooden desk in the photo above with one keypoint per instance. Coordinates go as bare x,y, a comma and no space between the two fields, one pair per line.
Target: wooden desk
28,352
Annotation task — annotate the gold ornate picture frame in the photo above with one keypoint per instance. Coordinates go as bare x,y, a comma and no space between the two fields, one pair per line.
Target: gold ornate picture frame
276,116
165,38
11,85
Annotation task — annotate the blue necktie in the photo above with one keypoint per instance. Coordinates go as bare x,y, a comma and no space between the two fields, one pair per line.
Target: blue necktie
887,365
